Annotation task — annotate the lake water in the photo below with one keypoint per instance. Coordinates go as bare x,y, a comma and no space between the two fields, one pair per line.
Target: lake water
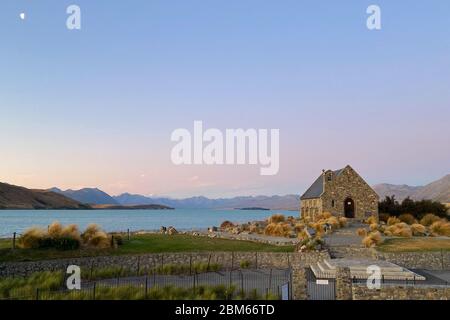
121,220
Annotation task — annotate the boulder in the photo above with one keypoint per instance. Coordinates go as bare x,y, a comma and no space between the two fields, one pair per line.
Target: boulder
163,230
172,231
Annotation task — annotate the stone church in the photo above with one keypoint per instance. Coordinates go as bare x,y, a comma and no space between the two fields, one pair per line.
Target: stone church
343,193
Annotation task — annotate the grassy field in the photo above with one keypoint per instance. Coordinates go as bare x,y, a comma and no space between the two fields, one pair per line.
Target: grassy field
140,244
415,244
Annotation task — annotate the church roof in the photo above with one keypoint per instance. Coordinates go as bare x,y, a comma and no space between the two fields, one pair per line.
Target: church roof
316,189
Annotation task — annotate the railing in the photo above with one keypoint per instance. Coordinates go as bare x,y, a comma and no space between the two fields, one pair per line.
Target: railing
242,284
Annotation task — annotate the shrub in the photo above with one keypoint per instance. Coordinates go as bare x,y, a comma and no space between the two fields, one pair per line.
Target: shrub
418,229
440,228
334,222
226,225
95,237
393,220
429,219
372,239
342,221
362,232
403,232
278,229
31,238
407,218
276,218
245,264
383,217
373,227
71,231
55,229
372,220
299,227
324,216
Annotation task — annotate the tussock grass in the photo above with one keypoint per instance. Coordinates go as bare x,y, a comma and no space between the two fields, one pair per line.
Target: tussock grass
372,239
418,230
362,232
393,220
407,218
372,220
440,228
276,218
343,222
429,219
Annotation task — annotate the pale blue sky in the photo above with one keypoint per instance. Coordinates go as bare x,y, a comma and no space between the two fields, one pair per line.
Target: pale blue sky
96,107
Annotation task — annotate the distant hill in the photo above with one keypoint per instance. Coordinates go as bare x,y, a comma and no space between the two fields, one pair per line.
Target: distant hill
87,195
15,197
438,190
288,202
137,207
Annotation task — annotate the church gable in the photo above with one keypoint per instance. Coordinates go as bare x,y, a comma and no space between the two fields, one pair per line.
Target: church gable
341,192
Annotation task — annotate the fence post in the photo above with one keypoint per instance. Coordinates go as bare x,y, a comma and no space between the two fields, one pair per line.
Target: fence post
146,287
232,260
256,259
128,232
270,279
37,293
91,270
14,241
138,265
242,282
190,264
209,261
93,290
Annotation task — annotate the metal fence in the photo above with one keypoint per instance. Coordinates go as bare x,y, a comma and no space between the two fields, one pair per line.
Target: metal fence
243,284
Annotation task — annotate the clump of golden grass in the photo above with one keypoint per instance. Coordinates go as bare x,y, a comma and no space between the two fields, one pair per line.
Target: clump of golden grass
440,228
31,238
372,239
372,220
383,217
95,237
276,218
253,228
373,227
298,227
324,216
71,231
418,230
342,221
277,229
400,229
226,224
362,232
429,219
393,220
319,227
407,218
55,229
333,222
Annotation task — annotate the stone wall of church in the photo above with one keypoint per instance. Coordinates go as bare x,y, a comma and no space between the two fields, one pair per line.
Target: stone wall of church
310,208
348,184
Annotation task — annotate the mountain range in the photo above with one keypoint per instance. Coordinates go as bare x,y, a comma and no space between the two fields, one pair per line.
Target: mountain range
438,190
88,195
287,202
14,197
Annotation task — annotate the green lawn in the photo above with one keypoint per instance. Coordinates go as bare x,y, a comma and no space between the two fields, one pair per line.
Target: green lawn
140,244
415,244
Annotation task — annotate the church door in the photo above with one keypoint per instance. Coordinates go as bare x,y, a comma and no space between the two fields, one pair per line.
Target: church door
349,208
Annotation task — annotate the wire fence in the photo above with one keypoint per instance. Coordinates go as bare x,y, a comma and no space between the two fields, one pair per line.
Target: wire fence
429,282
241,284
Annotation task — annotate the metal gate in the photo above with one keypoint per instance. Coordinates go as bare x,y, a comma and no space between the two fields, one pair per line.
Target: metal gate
320,289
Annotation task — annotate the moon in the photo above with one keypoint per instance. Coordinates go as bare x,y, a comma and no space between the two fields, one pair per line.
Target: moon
22,15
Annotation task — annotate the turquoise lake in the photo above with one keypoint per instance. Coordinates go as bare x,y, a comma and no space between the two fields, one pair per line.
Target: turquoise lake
121,220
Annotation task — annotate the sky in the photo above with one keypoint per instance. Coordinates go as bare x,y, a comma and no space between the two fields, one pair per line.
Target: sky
96,107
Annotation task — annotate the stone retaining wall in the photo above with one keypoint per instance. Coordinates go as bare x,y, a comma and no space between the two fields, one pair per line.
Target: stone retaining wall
227,260
361,292
438,260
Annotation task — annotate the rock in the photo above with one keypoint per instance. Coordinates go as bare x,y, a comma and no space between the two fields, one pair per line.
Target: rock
212,229
163,230
172,231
